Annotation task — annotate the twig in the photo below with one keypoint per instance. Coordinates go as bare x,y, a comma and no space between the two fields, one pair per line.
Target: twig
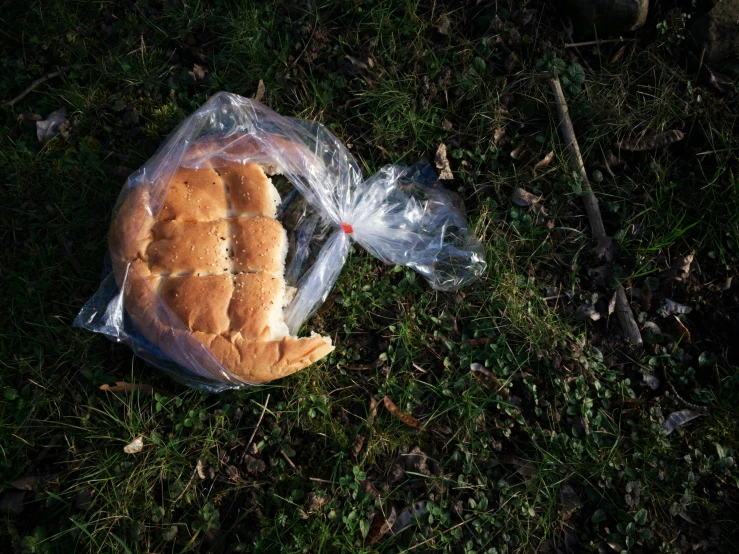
264,409
37,82
568,133
289,461
700,63
623,310
596,42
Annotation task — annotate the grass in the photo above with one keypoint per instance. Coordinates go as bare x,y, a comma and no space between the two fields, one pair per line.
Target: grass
556,446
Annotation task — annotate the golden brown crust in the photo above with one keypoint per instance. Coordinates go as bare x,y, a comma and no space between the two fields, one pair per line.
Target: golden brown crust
200,264
258,244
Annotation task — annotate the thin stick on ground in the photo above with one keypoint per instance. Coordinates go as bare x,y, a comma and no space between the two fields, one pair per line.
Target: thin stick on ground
37,82
259,421
595,42
623,311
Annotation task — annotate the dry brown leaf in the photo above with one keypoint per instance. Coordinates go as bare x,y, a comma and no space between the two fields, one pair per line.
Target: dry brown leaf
442,163
516,152
520,197
122,386
612,304
680,268
357,446
198,73
526,469
405,418
373,409
486,377
570,500
545,161
444,24
369,488
315,502
260,91
682,330
618,55
84,500
382,524
135,446
446,125
651,142
25,483
11,502
586,311
499,134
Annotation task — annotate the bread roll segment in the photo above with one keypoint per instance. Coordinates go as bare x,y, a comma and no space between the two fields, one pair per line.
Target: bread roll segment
207,269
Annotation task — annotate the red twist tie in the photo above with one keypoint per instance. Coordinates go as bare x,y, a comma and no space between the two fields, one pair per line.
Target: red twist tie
348,229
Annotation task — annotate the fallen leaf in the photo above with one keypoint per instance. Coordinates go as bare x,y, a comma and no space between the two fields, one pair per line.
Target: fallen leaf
510,62
606,248
650,379
520,197
446,125
678,419
499,134
408,515
682,330
545,161
646,298
586,311
12,502
315,502
651,142
612,303
203,471
618,55
122,386
260,91
25,483
524,468
570,500
50,127
84,500
29,120
135,446
233,473
369,488
254,465
357,446
486,377
443,25
405,418
373,409
516,152
198,73
683,514
382,524
670,307
442,163
680,268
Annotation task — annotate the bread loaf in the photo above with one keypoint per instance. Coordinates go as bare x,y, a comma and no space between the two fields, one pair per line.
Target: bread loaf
200,258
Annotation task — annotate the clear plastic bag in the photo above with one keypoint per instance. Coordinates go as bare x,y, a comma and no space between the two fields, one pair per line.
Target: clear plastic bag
400,215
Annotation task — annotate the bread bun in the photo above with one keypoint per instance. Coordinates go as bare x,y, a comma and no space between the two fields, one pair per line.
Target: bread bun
200,258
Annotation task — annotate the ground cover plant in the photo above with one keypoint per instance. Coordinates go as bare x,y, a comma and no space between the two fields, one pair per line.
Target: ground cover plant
511,416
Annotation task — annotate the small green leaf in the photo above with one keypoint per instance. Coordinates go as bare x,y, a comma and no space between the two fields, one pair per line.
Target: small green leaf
641,517
598,516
